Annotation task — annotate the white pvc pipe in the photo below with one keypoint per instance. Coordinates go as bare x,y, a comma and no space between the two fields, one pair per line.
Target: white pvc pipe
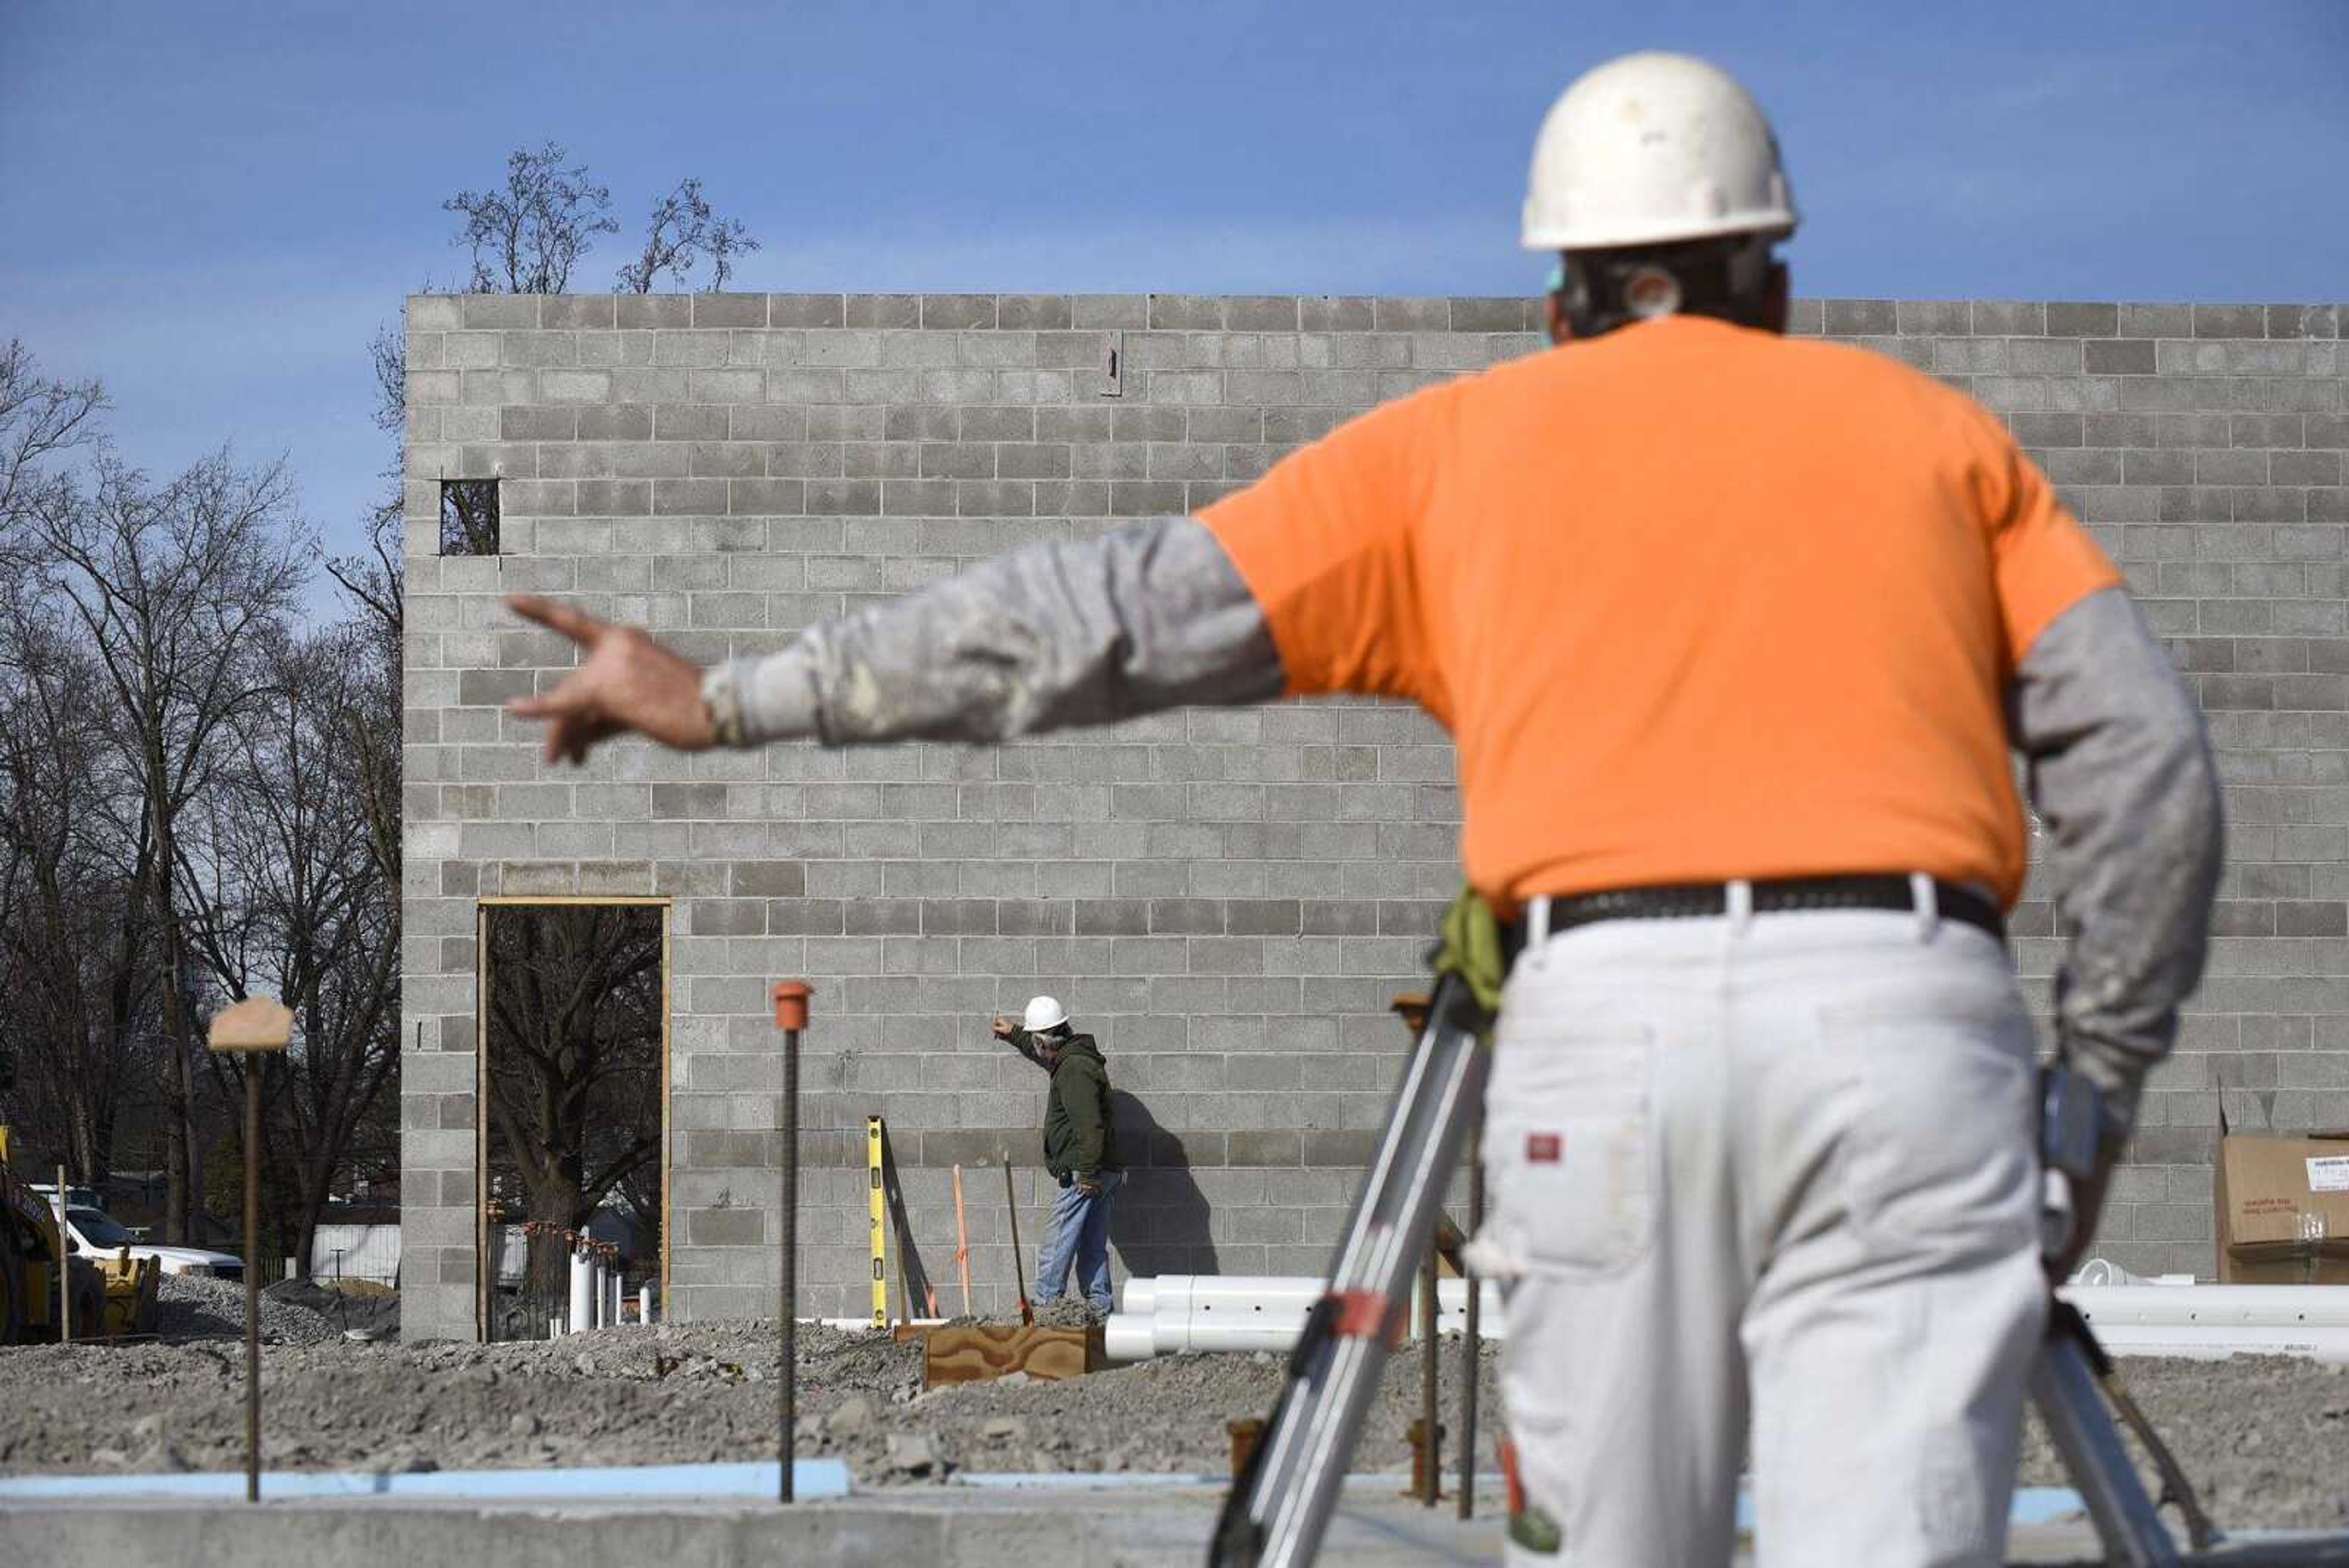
2263,1306
1177,1314
612,1318
582,1311
1174,1313
2101,1272
644,1304
2216,1341
1177,1294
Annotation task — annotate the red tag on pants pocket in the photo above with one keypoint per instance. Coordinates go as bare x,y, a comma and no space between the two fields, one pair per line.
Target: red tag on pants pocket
1543,1147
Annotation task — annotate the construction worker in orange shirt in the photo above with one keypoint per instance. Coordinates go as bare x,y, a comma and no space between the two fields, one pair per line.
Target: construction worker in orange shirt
1735,636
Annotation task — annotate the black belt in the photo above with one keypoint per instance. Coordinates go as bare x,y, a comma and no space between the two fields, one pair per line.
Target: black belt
1771,895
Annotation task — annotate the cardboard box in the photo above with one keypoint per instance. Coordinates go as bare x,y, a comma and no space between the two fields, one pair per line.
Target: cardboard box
2282,1210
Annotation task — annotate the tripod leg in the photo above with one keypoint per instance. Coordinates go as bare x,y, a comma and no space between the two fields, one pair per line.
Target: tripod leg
2064,1389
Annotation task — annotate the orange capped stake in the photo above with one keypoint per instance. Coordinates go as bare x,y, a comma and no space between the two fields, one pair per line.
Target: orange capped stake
791,1017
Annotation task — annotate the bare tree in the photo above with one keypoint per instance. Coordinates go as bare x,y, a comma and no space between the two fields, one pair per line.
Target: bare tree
75,953
171,586
40,420
63,920
303,897
681,232
527,237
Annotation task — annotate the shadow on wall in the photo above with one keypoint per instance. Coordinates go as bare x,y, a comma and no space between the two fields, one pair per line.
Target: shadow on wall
1159,1224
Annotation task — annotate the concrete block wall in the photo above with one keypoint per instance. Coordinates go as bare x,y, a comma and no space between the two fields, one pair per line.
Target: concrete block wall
1228,898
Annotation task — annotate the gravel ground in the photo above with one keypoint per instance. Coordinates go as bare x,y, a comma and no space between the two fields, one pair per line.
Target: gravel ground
2266,1440
198,1306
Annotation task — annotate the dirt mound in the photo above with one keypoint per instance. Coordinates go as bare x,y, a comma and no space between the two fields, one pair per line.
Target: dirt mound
372,1312
199,1305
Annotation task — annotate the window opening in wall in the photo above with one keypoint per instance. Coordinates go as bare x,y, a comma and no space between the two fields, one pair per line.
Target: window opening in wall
1113,381
573,1095
468,516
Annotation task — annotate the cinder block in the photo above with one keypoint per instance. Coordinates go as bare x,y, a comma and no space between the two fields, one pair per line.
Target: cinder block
955,312
1336,313
2082,321
1862,318
884,310
496,310
1933,317
645,312
729,309
729,386
2007,318
805,310
2230,321
1034,312
434,313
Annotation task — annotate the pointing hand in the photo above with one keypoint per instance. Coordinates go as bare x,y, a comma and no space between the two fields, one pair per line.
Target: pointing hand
627,682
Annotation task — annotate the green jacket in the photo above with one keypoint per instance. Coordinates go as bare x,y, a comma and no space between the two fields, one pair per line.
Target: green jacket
1080,1135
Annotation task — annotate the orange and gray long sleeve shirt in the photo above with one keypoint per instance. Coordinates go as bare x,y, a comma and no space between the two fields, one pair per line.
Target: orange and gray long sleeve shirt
1694,602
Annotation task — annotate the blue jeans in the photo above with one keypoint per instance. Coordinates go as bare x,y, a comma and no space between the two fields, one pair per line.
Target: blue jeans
1079,1236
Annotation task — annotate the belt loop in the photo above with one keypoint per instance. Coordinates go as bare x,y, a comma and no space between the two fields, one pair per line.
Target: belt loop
1739,905
1926,900
1536,922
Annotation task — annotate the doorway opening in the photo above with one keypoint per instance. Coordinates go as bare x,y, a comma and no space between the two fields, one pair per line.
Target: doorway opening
574,1155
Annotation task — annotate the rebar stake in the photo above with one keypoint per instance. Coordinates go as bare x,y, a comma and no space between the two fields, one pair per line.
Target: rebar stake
791,1017
255,1025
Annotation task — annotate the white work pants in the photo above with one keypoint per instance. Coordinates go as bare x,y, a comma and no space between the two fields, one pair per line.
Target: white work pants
1788,1153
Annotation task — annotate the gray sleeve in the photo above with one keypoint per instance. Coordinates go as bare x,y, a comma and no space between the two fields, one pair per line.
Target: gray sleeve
2120,772
1150,615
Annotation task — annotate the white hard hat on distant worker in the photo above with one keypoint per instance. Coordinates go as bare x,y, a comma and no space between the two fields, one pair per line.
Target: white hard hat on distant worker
1654,149
1043,1013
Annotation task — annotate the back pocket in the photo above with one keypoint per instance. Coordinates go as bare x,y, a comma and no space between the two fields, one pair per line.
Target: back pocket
1569,1148
1939,1160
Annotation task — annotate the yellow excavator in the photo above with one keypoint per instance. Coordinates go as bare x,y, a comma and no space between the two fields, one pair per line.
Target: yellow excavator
107,1296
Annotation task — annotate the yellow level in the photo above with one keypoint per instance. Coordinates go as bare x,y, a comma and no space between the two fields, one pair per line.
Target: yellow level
877,1212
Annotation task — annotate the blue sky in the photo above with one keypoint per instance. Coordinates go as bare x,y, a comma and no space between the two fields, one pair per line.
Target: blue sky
213,207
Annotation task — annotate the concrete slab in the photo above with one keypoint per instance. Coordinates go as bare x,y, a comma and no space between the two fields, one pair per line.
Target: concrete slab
948,1527
942,1527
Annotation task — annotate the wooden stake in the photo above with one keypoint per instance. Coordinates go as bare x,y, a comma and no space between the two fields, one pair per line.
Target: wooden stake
962,1243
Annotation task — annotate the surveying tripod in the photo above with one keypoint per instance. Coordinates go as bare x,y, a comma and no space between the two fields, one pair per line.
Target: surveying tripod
1279,1506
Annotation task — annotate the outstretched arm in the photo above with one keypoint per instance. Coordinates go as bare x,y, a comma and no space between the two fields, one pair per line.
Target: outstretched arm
1150,615
1019,1039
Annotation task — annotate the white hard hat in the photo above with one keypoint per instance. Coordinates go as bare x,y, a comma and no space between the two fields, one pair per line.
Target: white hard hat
1043,1013
1652,148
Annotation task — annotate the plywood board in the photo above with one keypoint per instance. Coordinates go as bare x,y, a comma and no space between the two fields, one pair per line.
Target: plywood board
974,1352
